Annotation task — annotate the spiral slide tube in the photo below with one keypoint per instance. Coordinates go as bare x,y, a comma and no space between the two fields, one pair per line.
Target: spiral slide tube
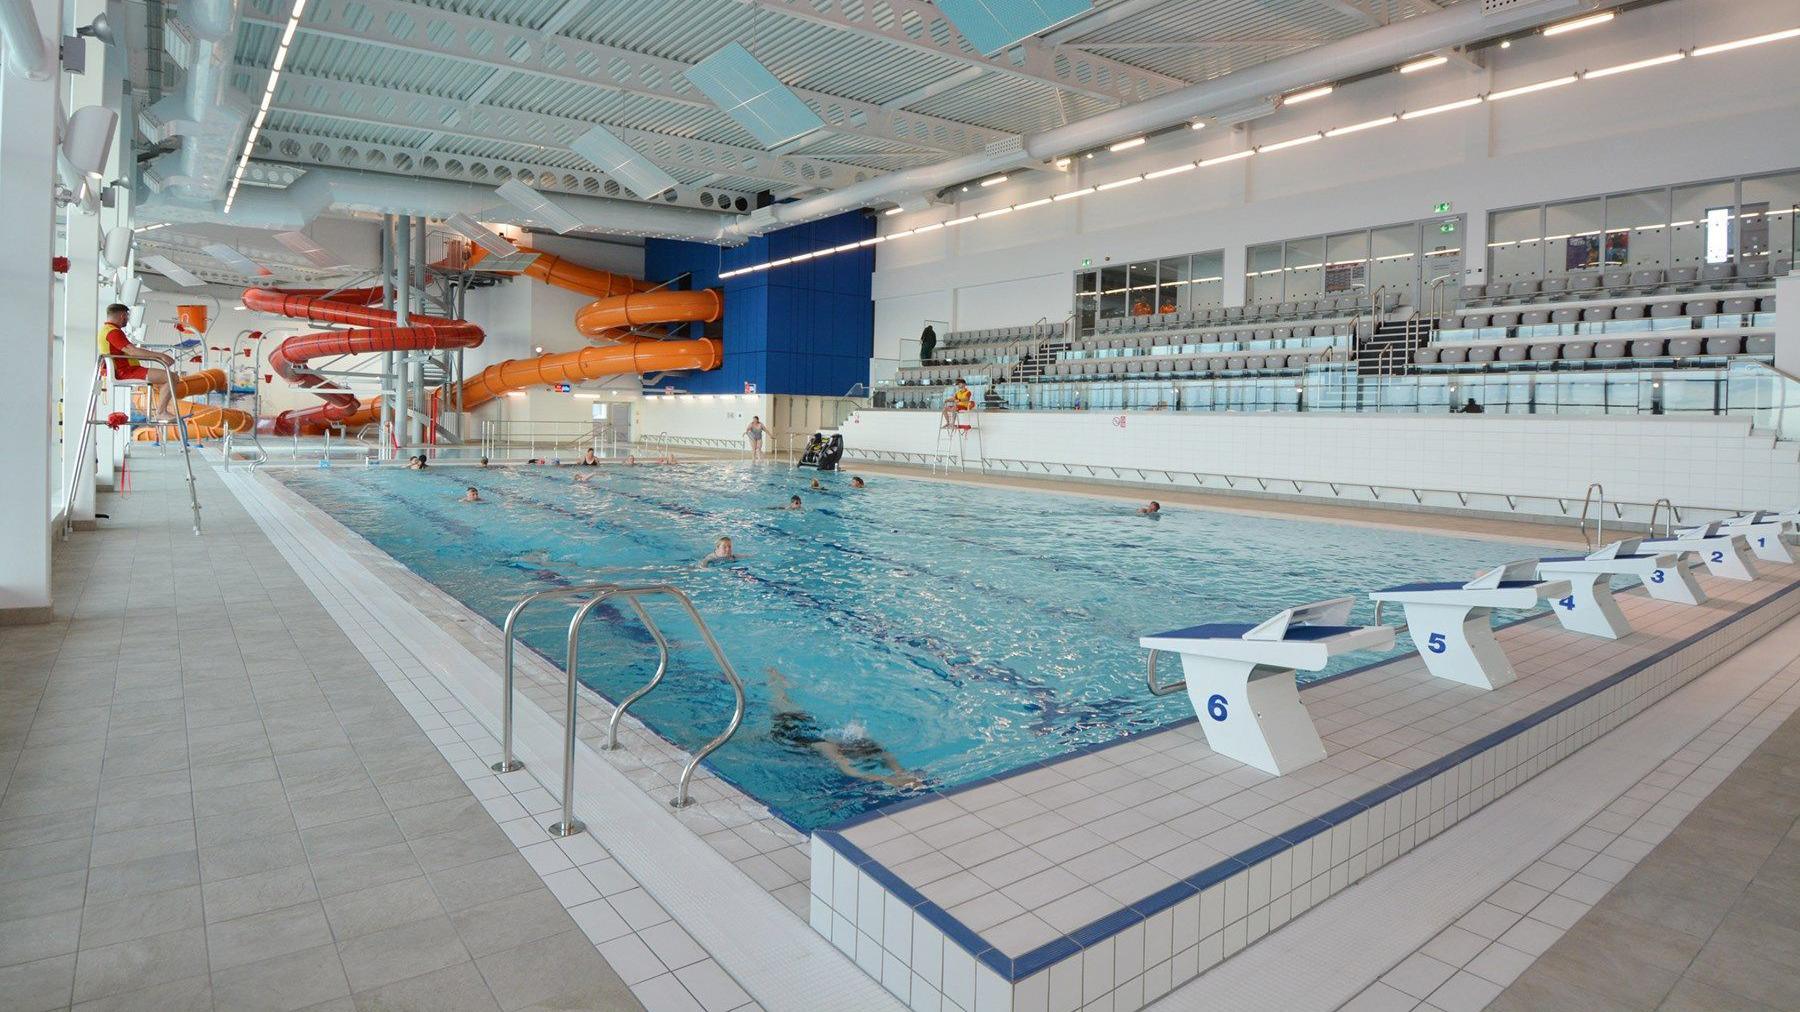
204,421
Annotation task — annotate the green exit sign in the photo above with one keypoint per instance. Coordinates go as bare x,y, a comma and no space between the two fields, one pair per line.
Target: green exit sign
1087,261
1448,226
1441,208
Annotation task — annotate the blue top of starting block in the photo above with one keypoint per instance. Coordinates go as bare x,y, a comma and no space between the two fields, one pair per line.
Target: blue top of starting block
1236,630
1406,588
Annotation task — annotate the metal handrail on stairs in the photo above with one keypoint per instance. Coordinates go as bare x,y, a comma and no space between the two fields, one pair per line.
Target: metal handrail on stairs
86,440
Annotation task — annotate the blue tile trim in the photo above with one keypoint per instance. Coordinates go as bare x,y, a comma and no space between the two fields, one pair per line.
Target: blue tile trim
1014,969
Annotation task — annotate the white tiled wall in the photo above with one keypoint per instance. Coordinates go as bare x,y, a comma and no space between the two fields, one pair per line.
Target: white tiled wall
1699,462
915,962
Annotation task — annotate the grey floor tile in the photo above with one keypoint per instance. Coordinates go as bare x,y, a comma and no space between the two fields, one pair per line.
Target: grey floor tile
458,988
143,876
398,953
365,869
295,980
563,971
504,923
32,938
258,892
481,881
138,916
189,994
392,904
139,963
40,985
257,937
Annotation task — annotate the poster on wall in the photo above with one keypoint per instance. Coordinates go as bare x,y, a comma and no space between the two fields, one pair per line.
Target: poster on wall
1582,251
1346,277
1618,248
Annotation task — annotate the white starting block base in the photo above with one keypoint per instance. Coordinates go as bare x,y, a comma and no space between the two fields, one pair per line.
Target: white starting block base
1589,607
1725,555
1770,542
1457,643
1252,713
1675,583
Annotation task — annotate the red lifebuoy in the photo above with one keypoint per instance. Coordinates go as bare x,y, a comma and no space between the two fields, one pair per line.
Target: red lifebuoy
117,419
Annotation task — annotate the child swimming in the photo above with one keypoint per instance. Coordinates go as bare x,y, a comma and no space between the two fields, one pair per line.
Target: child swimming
722,552
472,495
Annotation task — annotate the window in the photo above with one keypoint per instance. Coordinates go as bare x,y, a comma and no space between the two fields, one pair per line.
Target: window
1176,284
1718,235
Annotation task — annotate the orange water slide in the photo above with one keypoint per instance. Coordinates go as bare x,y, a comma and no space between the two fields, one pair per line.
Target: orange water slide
204,421
375,332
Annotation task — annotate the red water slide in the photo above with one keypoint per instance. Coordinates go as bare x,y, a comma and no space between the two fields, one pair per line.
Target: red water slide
375,333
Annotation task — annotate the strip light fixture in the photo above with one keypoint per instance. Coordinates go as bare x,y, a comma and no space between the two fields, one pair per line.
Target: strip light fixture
262,108
1320,92
1579,23
1308,95
1425,64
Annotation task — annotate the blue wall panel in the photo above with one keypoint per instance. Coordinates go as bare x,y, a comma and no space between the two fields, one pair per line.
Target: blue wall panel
805,328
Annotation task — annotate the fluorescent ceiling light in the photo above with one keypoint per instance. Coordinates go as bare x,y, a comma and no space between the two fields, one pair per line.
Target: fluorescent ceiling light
1040,202
1172,170
1654,61
1588,22
1290,143
890,212
1084,191
1234,156
1446,107
1307,96
1115,184
995,213
922,229
872,240
1358,127
1725,47
993,181
953,222
1198,124
152,228
1555,82
1135,142
1426,64
845,247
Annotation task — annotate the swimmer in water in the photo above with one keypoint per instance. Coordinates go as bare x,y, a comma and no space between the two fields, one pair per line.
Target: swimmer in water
799,730
416,463
630,460
472,495
484,462
1150,510
667,458
793,503
721,552
857,483
816,487
588,459
583,477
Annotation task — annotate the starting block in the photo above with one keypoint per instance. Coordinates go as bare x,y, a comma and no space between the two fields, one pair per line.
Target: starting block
1240,679
1768,535
1725,553
1449,623
1589,606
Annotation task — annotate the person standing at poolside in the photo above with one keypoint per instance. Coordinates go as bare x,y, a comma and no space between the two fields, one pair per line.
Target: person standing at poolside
754,432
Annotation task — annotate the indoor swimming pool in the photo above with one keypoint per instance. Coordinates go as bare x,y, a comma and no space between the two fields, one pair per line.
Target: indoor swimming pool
963,630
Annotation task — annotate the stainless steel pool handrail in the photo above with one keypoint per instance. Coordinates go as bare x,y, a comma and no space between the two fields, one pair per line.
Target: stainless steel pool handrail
1599,519
1669,524
569,824
1162,689
508,762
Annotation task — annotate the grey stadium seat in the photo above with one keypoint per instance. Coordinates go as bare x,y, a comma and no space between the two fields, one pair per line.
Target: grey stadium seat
1703,307
1566,316
1475,322
1523,288
1426,356
1664,310
1754,270
1724,345
1452,354
1234,364
1646,279
1514,351
1483,353
1714,274
1760,344
1535,318
1682,347
1767,304
1597,313
1739,306
1584,281
1552,286
1629,311
1585,349
1545,352
1683,275
1645,347
1467,292
1504,320
1615,279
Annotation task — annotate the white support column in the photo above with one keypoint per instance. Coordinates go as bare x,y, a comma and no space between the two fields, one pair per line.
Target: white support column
27,177
81,295
117,63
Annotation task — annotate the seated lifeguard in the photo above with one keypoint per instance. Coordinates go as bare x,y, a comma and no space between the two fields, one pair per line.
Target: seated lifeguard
1240,679
961,399
1725,552
1449,623
1589,606
1767,534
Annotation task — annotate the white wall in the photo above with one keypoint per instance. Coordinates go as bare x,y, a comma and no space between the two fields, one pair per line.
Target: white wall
701,416
1696,119
1702,462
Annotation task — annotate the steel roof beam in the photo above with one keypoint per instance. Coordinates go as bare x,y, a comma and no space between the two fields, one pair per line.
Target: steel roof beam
920,26
382,107
392,24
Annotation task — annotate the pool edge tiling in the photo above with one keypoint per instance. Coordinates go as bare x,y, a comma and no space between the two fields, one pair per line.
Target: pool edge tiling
1141,949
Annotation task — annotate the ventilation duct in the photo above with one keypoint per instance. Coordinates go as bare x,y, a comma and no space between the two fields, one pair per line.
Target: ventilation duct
206,113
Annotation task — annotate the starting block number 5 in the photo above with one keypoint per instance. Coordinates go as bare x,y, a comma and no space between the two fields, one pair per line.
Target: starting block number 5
1435,643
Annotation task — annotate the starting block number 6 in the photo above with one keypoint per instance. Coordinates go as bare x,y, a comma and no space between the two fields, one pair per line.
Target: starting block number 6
1215,707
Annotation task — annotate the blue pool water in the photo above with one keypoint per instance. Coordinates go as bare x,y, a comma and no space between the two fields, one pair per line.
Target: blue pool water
967,630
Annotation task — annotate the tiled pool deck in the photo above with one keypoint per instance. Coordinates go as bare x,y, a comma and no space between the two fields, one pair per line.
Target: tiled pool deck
1119,873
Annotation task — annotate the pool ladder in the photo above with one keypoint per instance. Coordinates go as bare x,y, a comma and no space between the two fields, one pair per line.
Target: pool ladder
597,593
